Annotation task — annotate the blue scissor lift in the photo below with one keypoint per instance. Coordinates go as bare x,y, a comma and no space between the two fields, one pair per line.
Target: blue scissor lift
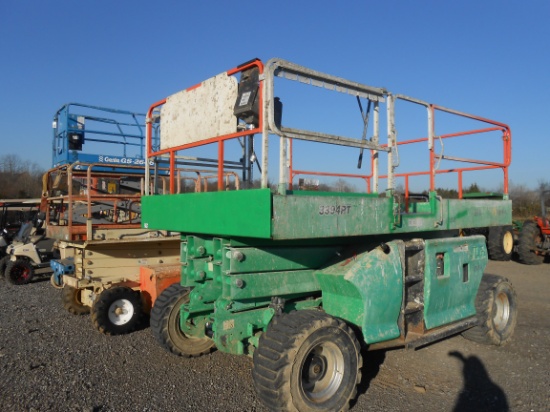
93,134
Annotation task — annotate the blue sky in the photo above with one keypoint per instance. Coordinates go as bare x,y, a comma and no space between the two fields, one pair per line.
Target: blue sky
489,58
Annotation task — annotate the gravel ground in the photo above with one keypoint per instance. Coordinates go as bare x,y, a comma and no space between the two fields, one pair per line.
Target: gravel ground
51,360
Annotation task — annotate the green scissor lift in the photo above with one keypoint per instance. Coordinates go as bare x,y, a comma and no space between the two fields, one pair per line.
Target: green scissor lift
300,280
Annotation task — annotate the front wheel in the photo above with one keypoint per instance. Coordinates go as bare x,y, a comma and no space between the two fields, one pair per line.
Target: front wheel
117,311
307,361
72,301
165,324
19,271
496,305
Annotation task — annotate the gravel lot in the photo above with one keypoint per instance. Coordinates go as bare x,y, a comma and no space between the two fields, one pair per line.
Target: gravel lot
51,360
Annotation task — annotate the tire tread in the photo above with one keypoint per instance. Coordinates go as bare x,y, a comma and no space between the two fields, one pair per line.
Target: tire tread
495,247
526,239
70,303
159,322
484,332
18,262
271,360
101,306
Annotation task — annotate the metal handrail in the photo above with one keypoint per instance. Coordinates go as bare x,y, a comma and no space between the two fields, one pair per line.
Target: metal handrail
268,125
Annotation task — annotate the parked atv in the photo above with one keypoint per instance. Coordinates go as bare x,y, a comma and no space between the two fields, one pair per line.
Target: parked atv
534,238
13,213
29,254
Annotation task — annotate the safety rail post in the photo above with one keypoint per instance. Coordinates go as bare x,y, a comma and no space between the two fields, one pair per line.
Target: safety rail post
220,164
374,153
431,145
70,192
265,138
290,165
149,141
392,141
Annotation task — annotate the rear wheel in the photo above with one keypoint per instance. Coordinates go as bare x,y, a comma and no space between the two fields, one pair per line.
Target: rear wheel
117,311
530,238
72,301
496,305
500,243
19,272
307,361
165,324
3,263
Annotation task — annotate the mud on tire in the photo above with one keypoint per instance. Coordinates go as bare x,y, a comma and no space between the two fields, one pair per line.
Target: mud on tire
72,301
307,361
496,305
165,318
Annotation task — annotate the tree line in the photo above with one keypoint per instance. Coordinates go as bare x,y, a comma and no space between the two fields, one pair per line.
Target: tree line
19,178
526,202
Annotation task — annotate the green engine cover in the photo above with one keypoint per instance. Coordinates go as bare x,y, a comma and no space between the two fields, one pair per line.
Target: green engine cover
454,268
367,290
